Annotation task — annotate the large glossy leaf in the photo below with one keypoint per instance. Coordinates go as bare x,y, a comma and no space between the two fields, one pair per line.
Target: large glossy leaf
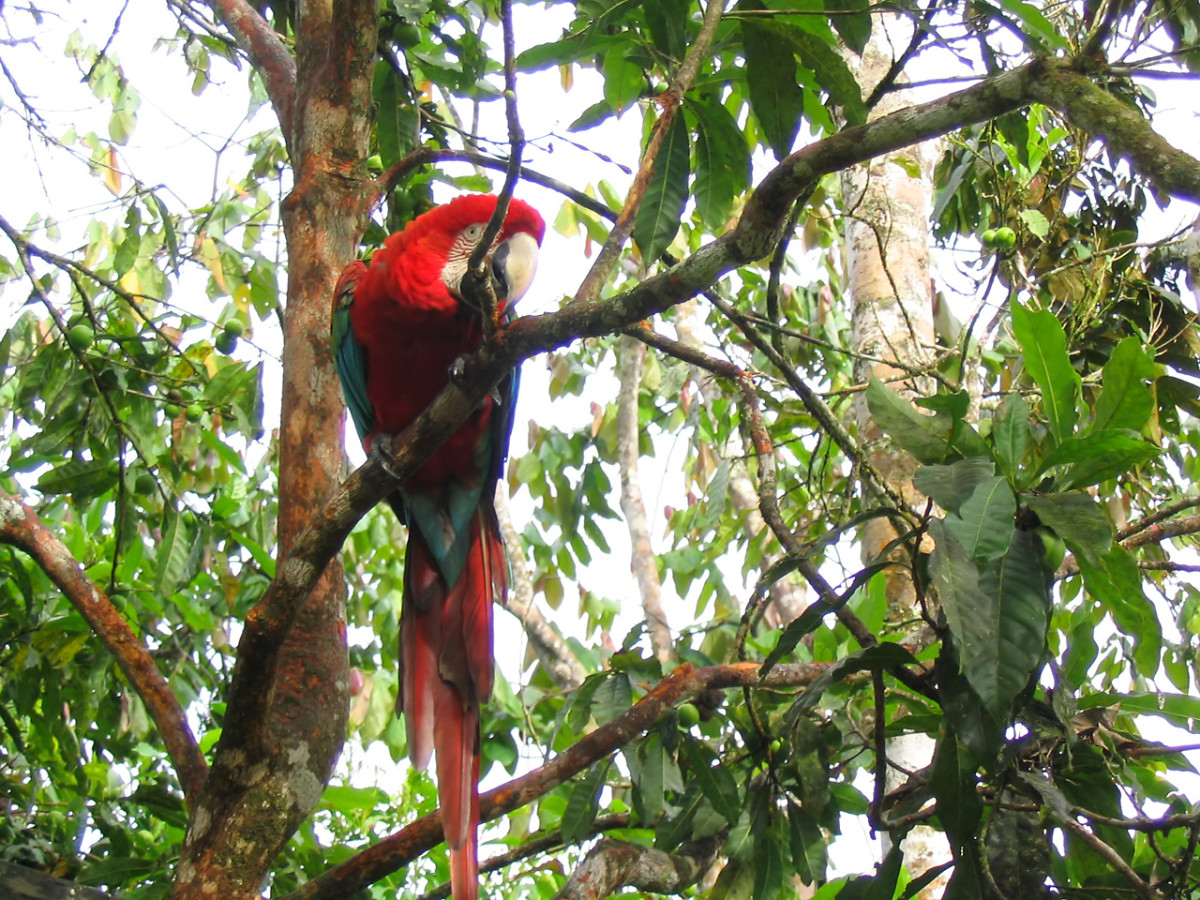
1044,343
722,162
1010,435
828,66
1117,584
1077,518
776,99
928,438
715,780
949,486
657,219
1099,456
998,615
1127,398
583,802
985,525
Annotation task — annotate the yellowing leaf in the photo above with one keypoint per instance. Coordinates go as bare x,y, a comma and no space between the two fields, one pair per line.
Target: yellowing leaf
211,257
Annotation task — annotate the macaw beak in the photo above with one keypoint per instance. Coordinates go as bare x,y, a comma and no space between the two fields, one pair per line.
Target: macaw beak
514,263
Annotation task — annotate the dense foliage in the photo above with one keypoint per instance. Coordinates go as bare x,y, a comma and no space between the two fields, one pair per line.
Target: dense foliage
1034,616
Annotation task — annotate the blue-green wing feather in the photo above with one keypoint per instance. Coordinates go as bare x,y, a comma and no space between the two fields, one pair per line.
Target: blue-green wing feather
351,359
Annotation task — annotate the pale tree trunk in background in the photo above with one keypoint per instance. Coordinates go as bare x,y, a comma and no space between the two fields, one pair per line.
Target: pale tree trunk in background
887,246
630,355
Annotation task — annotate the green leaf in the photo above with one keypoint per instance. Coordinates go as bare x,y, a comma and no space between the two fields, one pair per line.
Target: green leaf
174,548
998,616
852,20
613,696
1098,457
1077,518
1117,584
776,99
1010,434
722,161
169,234
950,486
768,857
715,781
809,853
395,117
584,802
346,798
736,882
623,79
657,219
928,438
83,478
952,778
884,655
1044,343
1034,25
1182,710
830,69
1127,397
1036,222
985,525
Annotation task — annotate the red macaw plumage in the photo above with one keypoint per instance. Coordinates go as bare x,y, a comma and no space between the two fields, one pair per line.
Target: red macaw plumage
398,327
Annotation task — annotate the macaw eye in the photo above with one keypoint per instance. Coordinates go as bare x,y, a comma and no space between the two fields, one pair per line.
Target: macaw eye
473,232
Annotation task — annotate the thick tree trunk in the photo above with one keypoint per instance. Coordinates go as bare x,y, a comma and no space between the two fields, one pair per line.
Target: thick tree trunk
277,752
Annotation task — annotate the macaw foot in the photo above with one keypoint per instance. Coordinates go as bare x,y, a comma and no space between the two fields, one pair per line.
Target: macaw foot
458,378
381,451
458,372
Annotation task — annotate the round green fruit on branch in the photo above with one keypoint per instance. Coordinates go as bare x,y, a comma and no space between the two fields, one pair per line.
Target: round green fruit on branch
689,715
226,342
234,327
80,337
194,412
1006,238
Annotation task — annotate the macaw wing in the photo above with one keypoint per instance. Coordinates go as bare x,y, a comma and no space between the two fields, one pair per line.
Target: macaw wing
349,355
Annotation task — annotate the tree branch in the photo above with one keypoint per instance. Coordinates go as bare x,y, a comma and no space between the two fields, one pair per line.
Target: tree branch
1124,130
670,101
419,837
560,662
21,527
268,55
612,865
630,354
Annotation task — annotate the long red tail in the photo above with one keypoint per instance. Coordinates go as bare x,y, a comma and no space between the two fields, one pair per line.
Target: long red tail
446,673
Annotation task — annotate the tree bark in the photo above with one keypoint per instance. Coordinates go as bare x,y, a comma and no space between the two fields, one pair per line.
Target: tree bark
887,238
277,751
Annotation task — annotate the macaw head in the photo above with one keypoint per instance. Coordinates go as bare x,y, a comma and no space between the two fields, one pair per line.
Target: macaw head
459,226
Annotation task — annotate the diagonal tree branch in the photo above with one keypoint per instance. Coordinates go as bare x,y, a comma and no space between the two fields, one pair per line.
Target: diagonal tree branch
268,54
22,528
419,837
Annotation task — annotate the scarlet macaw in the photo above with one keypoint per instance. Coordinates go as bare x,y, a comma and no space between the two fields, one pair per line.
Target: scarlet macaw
398,327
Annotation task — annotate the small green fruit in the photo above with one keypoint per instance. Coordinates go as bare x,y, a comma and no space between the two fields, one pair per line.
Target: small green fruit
989,238
689,715
1006,238
406,35
226,343
172,410
194,412
234,327
144,484
80,337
